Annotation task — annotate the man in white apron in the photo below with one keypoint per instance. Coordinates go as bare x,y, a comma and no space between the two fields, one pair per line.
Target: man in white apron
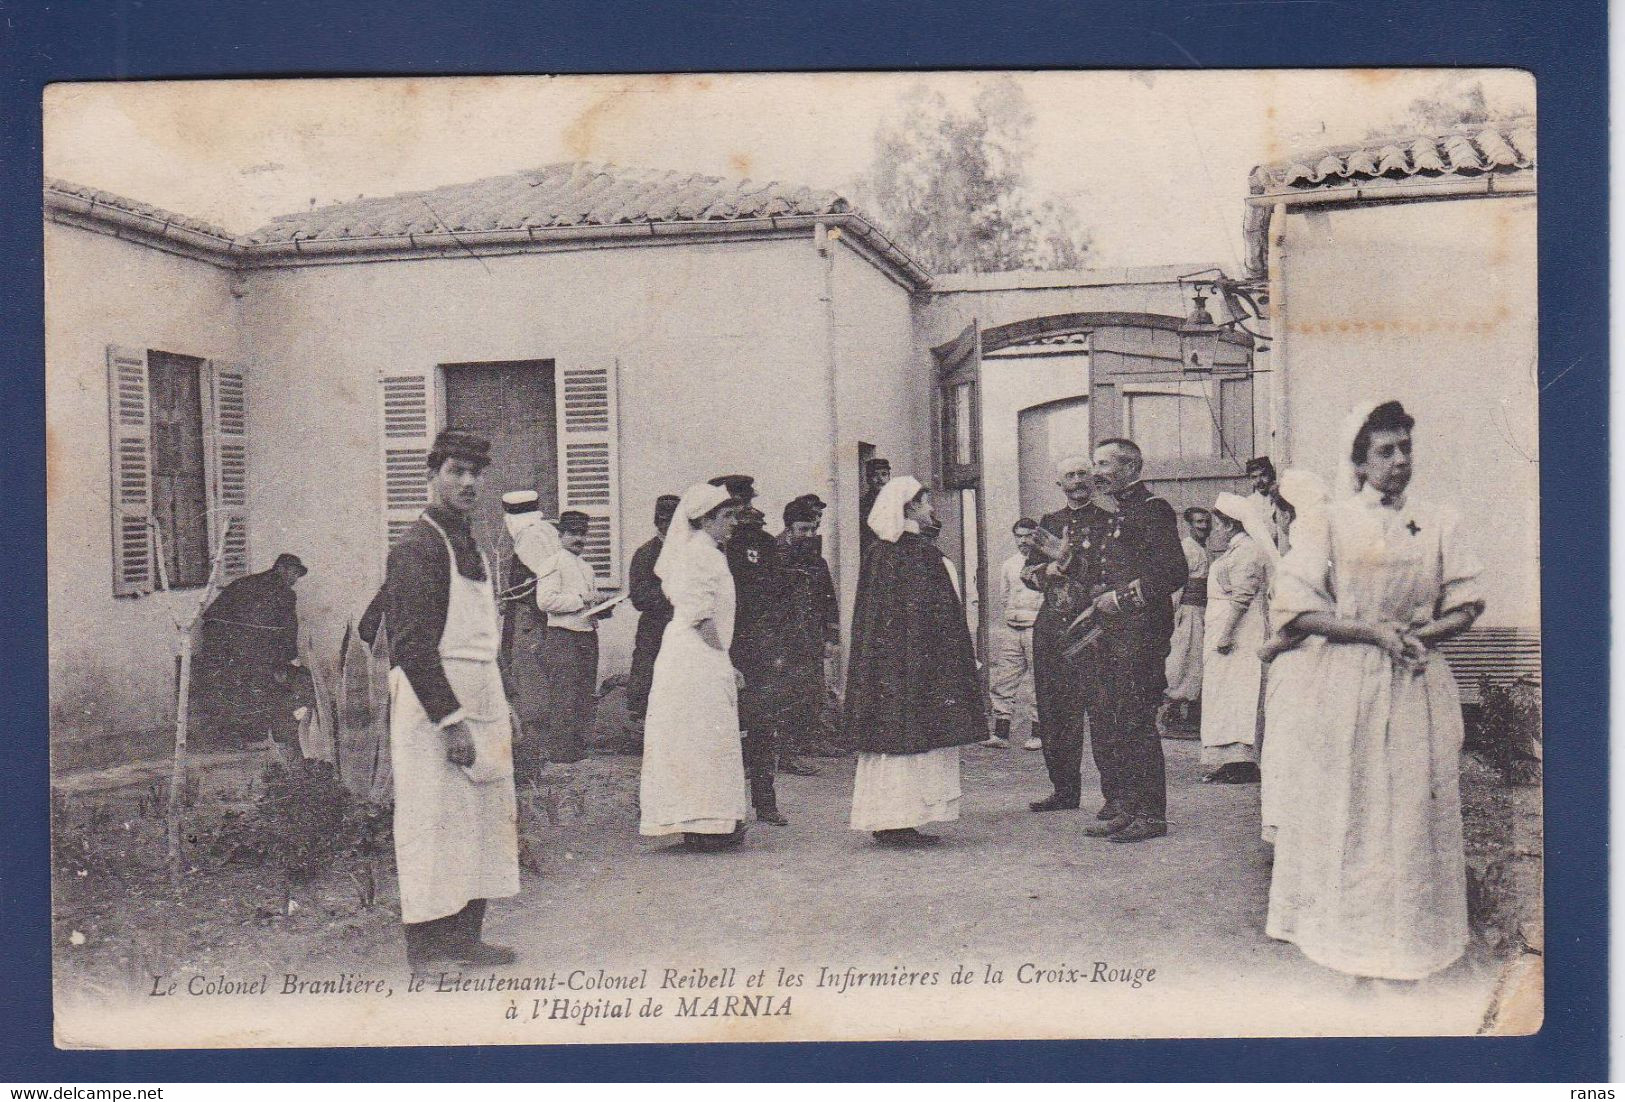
450,735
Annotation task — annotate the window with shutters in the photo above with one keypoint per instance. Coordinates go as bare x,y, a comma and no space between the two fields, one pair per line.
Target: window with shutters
180,501
179,485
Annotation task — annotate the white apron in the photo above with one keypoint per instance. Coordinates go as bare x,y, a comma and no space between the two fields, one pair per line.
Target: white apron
455,833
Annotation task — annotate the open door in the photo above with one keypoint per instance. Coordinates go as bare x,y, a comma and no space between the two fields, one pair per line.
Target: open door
959,454
1185,398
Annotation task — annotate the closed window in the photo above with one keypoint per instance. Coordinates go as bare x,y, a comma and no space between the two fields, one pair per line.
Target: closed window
179,469
180,500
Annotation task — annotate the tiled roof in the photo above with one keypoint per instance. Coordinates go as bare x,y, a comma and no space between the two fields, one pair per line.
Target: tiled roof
571,194
133,206
1467,152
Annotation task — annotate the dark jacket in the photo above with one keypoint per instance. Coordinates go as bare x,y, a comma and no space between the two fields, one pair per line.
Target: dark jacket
643,585
1138,543
416,595
911,683
804,616
752,559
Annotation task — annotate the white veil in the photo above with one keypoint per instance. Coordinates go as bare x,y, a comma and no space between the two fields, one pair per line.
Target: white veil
681,536
1348,480
1249,511
886,518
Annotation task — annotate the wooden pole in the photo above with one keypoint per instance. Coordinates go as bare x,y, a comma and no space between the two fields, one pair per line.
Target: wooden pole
183,693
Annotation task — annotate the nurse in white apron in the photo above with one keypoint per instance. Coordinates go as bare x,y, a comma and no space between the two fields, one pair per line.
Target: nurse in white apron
451,746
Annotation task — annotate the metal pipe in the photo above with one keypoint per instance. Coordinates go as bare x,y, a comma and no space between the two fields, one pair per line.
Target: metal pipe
824,246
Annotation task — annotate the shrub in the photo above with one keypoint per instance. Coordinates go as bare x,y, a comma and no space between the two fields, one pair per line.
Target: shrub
1505,729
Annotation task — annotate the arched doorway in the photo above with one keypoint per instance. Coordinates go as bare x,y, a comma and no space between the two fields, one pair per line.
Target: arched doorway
1185,393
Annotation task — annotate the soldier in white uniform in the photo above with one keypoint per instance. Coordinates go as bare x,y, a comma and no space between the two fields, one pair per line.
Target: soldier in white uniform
1010,681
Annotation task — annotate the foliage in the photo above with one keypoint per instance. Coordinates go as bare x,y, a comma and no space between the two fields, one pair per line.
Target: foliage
952,185
1455,102
1505,729
303,822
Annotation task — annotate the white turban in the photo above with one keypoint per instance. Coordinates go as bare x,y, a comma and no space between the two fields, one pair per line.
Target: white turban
886,517
535,540
1249,513
1304,490
681,536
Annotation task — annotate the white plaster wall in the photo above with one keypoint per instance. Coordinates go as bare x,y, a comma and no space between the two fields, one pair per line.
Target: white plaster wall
1433,304
720,350
884,397
111,659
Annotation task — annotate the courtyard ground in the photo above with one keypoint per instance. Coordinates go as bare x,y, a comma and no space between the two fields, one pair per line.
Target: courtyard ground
1006,888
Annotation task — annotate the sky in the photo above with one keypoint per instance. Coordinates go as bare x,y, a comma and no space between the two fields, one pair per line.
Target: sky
1155,162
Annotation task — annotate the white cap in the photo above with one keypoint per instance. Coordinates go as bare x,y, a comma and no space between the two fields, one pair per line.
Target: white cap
521,501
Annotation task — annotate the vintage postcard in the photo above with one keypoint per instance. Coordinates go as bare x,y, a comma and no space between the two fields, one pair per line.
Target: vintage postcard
793,557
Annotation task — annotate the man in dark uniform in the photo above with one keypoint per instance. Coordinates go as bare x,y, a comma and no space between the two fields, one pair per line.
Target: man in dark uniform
245,673
804,628
752,556
1057,682
876,473
655,613
1123,572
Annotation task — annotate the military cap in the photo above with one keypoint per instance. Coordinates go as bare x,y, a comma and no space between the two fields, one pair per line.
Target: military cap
521,501
456,443
740,486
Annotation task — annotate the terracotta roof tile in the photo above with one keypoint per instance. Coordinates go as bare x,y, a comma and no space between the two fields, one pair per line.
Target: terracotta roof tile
1471,151
554,195
134,206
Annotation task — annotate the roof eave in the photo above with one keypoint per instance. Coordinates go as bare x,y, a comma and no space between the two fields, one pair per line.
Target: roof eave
90,214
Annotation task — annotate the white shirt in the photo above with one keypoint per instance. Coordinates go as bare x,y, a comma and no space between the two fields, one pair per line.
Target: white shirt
568,589
1020,603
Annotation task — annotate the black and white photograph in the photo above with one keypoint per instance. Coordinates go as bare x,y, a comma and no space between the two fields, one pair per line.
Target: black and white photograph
793,557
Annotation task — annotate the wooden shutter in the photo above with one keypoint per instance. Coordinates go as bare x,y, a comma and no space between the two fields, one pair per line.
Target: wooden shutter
130,442
589,464
226,429
408,423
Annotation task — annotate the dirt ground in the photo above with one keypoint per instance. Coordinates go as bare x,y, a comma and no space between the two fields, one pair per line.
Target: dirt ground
1007,887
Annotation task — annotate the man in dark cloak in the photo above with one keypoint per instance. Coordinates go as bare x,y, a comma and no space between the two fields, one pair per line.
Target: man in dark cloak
912,692
654,613
244,675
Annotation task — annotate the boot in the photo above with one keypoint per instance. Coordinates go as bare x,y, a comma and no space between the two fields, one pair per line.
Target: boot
470,923
1035,740
1141,828
1000,738
430,943
1111,828
1055,801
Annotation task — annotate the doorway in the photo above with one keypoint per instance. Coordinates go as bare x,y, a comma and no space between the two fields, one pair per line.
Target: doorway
511,404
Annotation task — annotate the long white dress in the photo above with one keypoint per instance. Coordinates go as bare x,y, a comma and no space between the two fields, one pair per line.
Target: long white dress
693,771
1369,874
1230,682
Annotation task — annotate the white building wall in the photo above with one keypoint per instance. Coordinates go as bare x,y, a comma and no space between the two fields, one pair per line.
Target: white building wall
884,397
1433,304
720,348
111,659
